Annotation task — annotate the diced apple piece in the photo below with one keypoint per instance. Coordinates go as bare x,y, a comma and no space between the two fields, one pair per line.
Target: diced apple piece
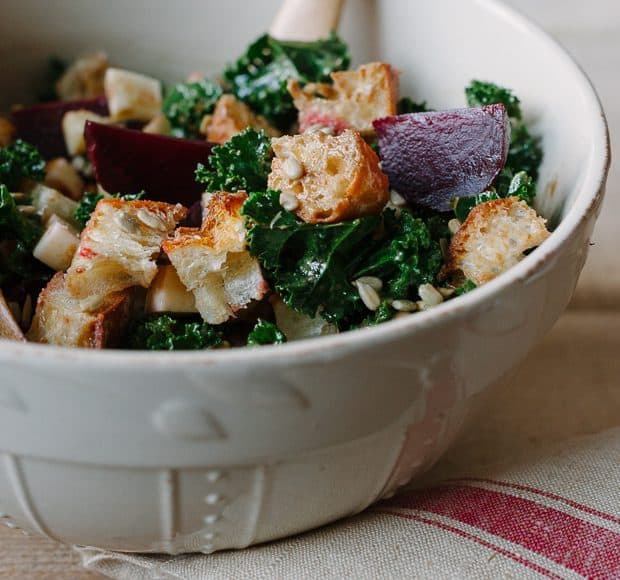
84,78
297,326
168,294
57,245
41,124
158,125
432,158
50,202
61,175
132,96
73,129
127,161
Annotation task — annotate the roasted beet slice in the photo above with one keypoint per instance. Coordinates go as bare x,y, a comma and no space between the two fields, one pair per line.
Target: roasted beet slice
128,161
41,124
432,158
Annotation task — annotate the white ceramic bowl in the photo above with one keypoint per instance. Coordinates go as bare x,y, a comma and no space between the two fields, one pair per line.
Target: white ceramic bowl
176,452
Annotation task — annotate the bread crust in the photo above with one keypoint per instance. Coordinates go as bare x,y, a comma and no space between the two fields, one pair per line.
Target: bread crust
119,246
355,99
59,319
213,262
230,117
341,177
492,239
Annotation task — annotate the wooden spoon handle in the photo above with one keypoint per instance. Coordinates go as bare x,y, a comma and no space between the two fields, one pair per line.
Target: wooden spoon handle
306,20
8,327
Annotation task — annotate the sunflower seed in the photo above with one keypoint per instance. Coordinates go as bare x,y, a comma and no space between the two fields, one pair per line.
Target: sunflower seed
404,305
372,281
369,296
292,168
429,295
288,201
454,225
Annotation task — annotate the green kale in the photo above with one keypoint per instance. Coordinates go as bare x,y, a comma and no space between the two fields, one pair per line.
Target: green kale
89,202
407,105
265,333
19,160
260,76
56,67
481,94
407,257
163,332
520,185
313,266
384,313
241,164
525,152
465,287
19,234
187,103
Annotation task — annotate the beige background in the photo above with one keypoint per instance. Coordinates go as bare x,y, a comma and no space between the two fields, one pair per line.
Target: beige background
577,363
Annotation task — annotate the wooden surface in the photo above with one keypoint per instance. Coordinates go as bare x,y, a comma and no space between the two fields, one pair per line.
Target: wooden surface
588,337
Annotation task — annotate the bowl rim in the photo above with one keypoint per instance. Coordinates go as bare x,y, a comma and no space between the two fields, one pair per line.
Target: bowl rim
586,203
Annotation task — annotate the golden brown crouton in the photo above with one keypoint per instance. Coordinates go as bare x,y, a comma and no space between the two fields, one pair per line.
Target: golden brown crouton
7,132
9,329
119,247
230,117
84,78
329,179
59,320
494,238
354,101
213,262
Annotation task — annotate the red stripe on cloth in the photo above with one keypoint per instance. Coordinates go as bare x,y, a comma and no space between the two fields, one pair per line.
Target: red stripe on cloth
588,549
468,536
581,507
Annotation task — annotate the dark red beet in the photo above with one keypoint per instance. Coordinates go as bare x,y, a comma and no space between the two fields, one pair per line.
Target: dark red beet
41,124
432,158
127,161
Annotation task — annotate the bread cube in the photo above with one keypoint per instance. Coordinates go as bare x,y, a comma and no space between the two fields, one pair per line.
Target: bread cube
84,78
355,99
119,247
57,245
493,239
168,294
73,129
9,328
59,319
132,96
61,175
213,262
230,117
332,179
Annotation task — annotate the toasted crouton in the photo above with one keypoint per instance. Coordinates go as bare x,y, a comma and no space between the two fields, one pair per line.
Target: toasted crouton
7,132
84,78
494,238
355,100
9,328
59,320
119,247
331,178
230,117
213,262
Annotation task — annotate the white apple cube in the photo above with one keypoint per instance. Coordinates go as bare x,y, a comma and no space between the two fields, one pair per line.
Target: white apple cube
61,175
132,96
57,245
50,202
73,129
168,294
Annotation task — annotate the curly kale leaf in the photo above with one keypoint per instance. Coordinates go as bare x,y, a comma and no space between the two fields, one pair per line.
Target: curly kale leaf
465,287
525,152
89,202
241,164
260,76
187,103
18,234
520,185
19,160
407,257
407,105
481,94
265,333
163,332
313,266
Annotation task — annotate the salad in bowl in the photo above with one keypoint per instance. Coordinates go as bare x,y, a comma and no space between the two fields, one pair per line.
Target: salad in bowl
289,197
